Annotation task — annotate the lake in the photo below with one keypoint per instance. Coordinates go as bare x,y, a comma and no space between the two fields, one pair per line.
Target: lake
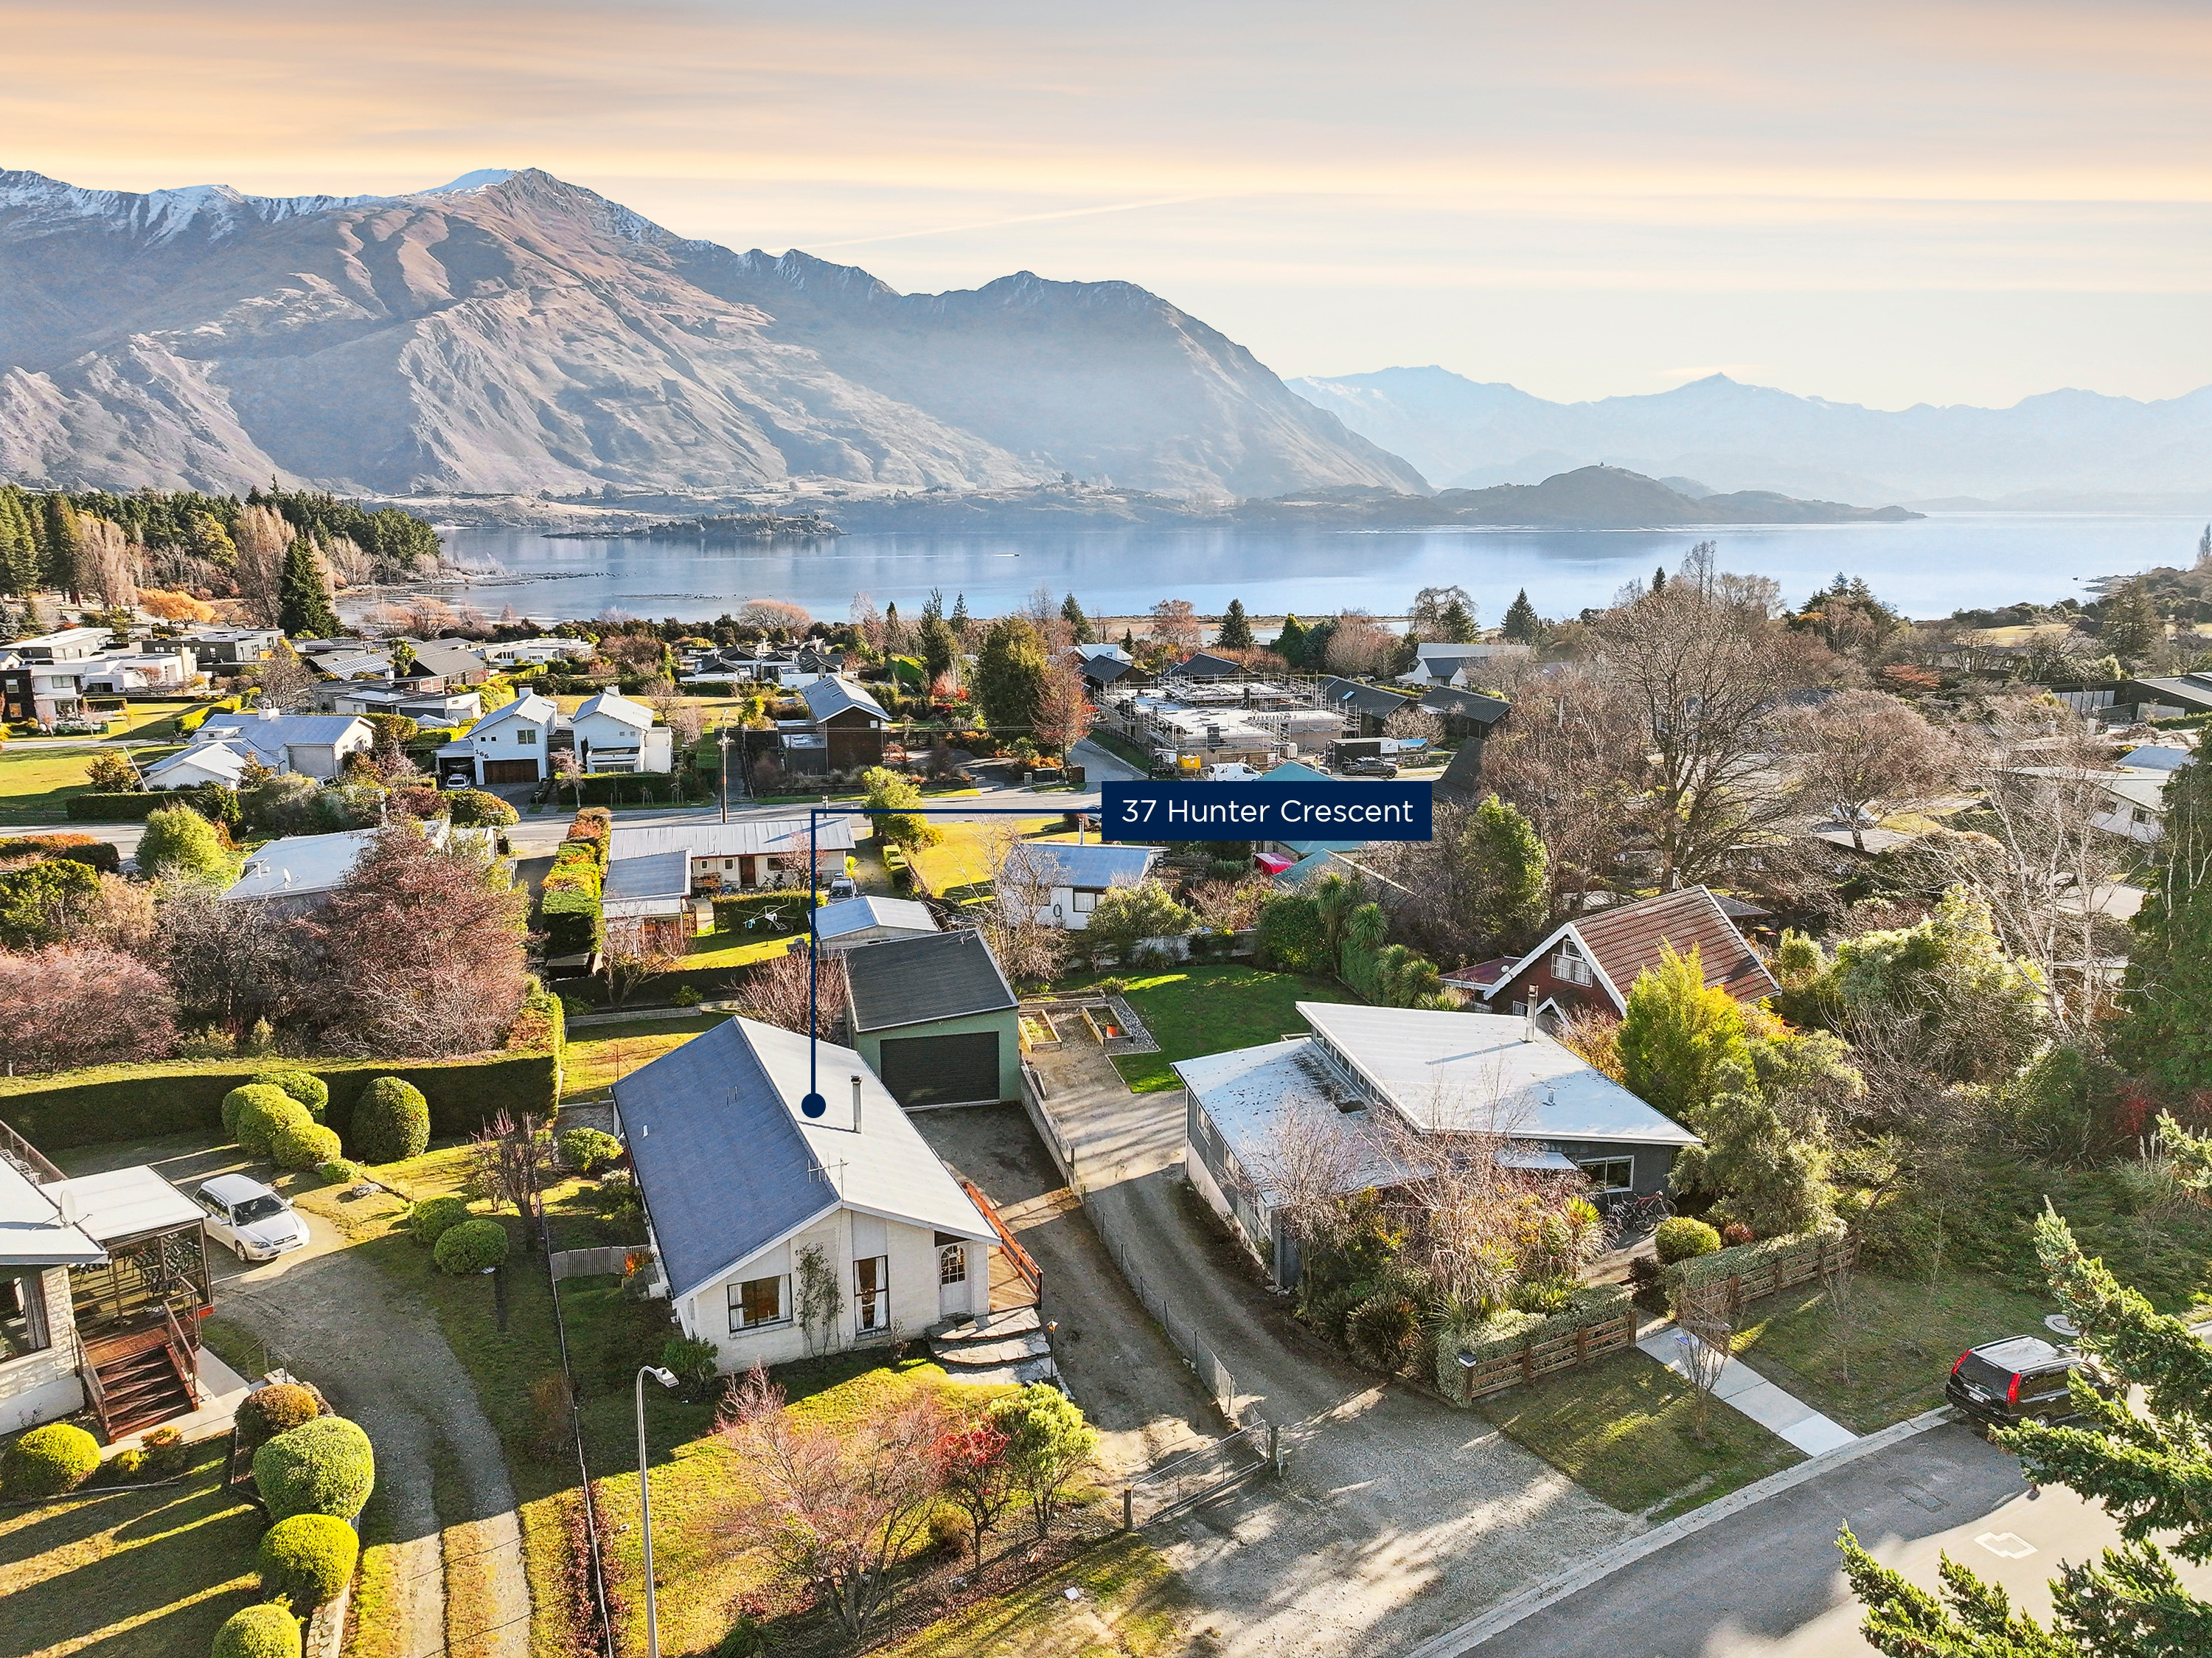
1927,568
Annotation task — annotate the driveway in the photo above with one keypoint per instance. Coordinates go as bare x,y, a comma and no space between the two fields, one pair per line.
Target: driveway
330,1316
1399,1517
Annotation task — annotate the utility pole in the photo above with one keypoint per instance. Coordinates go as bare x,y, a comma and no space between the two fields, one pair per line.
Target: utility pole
723,739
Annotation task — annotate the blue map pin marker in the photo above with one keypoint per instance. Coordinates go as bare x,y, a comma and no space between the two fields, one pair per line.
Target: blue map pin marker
814,1105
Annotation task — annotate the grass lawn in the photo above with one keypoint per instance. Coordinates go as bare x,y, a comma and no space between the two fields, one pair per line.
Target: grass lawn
1623,1428
738,949
958,868
596,1056
1131,1606
1902,1341
40,780
146,1573
1212,1009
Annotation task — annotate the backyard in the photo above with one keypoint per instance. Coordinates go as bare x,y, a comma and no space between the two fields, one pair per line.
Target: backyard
596,1055
1211,1008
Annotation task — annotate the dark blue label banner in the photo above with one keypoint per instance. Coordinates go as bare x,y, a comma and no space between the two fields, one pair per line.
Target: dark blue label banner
1330,810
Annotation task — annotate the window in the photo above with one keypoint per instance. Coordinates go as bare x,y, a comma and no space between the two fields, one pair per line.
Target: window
1571,966
1610,1173
754,1303
872,1291
1085,902
23,1316
526,735
952,1264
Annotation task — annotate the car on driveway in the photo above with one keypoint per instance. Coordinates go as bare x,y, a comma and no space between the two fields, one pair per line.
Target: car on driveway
252,1219
2021,1379
1368,765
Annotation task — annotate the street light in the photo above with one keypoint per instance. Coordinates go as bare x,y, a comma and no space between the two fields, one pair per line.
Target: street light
666,1379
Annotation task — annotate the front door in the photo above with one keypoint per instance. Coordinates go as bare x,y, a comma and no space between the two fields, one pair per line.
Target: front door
952,1281
871,1292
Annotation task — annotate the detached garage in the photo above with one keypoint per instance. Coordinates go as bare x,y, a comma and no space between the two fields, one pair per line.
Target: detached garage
936,1021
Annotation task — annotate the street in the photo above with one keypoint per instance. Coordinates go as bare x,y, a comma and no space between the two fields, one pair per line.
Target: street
1766,1583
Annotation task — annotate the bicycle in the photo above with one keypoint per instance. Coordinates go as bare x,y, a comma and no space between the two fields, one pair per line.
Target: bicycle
1638,1216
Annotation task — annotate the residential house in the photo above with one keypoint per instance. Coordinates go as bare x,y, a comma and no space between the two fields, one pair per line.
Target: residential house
457,661
1104,667
1590,963
747,1198
1468,715
2168,697
228,650
935,1018
1071,878
851,921
1205,664
614,734
768,852
1369,707
299,873
539,652
511,744
1435,1073
103,1282
1294,862
1456,665
655,891
49,692
68,644
429,705
311,745
846,723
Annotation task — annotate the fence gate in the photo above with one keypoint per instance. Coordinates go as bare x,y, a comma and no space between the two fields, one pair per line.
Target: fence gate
1179,1483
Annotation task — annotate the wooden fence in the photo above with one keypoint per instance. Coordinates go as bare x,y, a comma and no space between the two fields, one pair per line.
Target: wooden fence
1563,1351
623,1258
1727,1297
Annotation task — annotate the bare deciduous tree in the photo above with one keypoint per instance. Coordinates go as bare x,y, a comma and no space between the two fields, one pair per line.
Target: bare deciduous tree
1064,713
837,1507
81,1004
1028,950
108,562
262,537
510,1161
1566,760
1862,753
638,949
776,992
1359,645
230,963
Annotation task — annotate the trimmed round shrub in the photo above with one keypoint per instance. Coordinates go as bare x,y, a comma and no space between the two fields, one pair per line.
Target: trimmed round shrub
323,1467
303,1145
338,1172
307,1560
471,1246
49,1460
309,1089
263,1121
268,1411
433,1217
262,1631
473,808
590,1150
1678,1238
1384,1333
235,1102
391,1122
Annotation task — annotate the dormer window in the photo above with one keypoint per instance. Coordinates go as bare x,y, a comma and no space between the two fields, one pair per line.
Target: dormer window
1570,965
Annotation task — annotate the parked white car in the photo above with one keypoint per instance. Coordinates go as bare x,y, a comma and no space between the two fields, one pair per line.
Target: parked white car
1232,771
256,1223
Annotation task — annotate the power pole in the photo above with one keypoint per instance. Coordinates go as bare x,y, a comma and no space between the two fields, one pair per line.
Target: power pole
722,738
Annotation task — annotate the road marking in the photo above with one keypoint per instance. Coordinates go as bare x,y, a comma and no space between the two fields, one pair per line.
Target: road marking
2006,1545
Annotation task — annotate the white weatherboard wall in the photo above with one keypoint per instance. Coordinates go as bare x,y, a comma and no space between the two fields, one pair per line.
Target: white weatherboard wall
913,1274
43,1386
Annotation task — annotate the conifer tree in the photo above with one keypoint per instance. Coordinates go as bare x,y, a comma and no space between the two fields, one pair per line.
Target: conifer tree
1010,674
1521,624
1290,644
61,544
1236,628
18,545
1078,624
959,620
2165,1000
303,602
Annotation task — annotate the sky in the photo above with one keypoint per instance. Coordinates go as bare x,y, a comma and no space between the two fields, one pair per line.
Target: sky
1885,204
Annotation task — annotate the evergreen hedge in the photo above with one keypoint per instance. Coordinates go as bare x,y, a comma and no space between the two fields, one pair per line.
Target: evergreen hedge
306,1559
262,1631
103,1103
309,1089
1721,1264
1509,1332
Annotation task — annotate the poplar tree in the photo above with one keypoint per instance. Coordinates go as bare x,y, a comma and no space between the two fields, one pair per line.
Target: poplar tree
1236,628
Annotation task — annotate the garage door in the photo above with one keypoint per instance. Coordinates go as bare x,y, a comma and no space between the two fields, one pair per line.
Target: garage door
942,1070
510,770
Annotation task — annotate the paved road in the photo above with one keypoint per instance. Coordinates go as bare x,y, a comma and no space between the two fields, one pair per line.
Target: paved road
1765,1583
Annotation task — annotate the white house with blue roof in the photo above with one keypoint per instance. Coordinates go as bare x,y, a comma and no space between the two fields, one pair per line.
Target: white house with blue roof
748,1200
1071,878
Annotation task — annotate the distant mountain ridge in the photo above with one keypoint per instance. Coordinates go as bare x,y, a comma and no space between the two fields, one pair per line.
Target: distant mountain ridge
1589,497
1468,433
512,332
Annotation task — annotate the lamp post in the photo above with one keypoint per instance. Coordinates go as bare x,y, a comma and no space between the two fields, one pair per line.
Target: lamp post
666,1379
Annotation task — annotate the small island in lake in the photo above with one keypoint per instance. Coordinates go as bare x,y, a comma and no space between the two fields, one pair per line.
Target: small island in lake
717,526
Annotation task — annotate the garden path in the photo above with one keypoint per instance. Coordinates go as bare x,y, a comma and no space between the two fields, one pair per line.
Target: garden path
1744,1389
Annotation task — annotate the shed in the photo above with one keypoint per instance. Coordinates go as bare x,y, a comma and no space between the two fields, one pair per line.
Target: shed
936,1019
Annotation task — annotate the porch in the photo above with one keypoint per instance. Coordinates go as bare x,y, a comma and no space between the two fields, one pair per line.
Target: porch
137,1314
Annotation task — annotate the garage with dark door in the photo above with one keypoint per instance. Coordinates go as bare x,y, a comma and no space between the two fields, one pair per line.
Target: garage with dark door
936,1019
941,1071
510,770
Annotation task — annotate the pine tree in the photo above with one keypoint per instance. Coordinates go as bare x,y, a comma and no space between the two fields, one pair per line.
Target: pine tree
2129,626
1236,628
1078,624
61,544
1290,644
303,600
1523,625
2165,1000
1129,643
18,545
1454,624
959,620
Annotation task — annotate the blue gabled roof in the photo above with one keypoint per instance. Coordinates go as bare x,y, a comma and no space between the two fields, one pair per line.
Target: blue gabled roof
1308,866
1093,864
723,1167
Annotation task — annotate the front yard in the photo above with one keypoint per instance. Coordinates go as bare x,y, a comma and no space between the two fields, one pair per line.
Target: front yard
596,1055
958,868
1211,1009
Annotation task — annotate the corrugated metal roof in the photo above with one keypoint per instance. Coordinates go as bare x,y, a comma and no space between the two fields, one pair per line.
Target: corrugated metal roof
753,838
915,981
853,915
655,875
729,1167
1093,864
834,694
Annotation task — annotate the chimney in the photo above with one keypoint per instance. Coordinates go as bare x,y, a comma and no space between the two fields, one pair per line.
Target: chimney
1528,1031
856,1102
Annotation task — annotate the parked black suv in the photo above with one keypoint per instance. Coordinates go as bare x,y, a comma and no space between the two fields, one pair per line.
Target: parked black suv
2023,1378
1370,765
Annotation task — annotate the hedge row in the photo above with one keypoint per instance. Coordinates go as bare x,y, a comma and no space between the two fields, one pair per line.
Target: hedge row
624,787
1743,1259
129,1102
1509,1331
568,904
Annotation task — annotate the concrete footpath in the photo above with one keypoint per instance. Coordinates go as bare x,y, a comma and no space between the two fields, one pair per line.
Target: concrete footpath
1744,1389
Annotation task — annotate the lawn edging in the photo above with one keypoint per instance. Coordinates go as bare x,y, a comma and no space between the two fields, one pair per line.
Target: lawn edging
1454,1641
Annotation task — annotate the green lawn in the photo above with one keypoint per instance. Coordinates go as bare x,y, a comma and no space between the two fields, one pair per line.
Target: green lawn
958,868
596,1055
40,781
1903,1337
147,1574
738,949
1625,1429
1131,1607
1211,1009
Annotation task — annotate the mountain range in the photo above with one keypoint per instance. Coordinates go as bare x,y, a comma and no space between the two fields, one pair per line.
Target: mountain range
2064,448
510,333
